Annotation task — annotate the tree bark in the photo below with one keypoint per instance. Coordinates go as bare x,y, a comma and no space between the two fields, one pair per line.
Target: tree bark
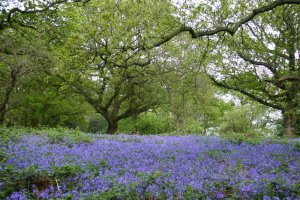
8,90
290,124
177,123
183,114
2,114
112,127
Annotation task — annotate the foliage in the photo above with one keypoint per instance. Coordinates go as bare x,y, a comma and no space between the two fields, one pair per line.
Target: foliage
250,119
30,96
113,72
190,96
55,135
20,58
146,123
12,134
61,61
97,123
297,146
261,62
238,138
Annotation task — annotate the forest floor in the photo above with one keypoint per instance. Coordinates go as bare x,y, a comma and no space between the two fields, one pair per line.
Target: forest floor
68,164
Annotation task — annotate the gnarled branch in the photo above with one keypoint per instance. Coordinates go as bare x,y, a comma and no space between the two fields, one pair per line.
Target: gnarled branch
231,30
7,21
240,90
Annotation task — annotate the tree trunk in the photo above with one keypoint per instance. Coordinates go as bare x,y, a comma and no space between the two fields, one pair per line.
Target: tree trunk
3,111
183,114
112,127
8,90
2,118
290,124
176,123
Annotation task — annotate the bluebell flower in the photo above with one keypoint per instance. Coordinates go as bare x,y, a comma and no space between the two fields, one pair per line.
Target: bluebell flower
212,166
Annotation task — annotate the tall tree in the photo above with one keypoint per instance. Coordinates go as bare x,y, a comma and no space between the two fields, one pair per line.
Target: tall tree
116,38
262,62
41,99
109,37
19,57
28,33
105,61
190,95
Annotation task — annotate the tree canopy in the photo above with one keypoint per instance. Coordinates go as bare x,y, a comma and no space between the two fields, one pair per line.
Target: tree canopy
262,62
123,58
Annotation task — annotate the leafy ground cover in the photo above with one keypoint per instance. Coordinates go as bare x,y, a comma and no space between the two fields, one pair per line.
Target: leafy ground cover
41,165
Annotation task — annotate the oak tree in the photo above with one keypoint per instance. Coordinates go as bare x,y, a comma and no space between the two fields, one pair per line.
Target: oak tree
262,62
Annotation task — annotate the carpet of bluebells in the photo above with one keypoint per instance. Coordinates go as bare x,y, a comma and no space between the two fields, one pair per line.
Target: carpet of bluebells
148,167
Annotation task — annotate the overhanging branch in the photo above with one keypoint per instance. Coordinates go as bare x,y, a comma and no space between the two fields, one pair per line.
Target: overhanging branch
7,21
240,90
270,66
231,30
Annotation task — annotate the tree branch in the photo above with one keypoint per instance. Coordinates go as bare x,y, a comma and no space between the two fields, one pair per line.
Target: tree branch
289,78
270,66
231,31
252,96
6,22
141,64
131,111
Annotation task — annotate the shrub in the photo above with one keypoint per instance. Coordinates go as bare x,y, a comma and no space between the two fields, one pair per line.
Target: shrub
238,138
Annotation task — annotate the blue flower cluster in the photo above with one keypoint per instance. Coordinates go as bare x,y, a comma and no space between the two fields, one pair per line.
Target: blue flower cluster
152,167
